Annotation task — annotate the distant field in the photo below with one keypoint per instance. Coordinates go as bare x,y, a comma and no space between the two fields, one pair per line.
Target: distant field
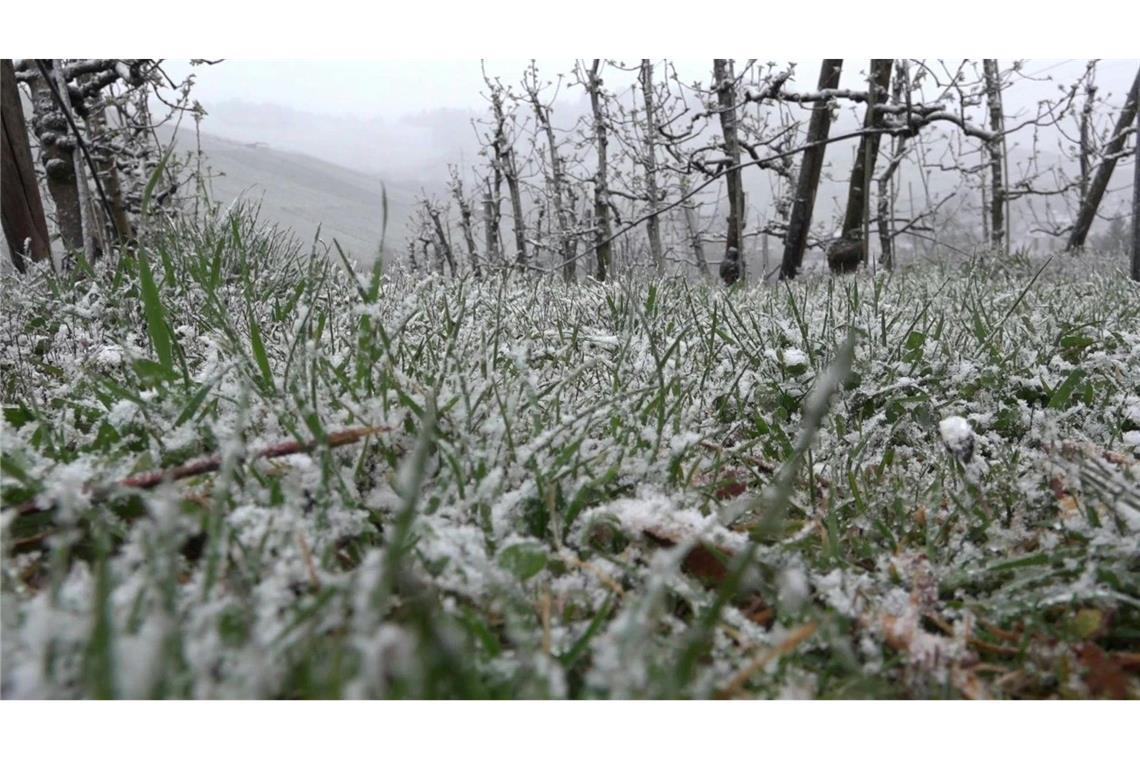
300,193
510,487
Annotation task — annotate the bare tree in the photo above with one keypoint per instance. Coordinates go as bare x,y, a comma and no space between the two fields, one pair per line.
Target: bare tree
653,227
79,142
1113,152
1085,140
104,156
87,223
886,197
693,233
491,228
556,182
811,167
25,226
465,221
1136,203
845,254
996,148
505,166
56,149
441,242
602,235
731,267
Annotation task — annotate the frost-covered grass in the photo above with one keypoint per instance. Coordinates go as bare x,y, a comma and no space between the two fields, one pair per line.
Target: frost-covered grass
593,491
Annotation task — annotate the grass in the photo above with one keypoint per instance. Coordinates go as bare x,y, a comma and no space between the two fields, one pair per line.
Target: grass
620,490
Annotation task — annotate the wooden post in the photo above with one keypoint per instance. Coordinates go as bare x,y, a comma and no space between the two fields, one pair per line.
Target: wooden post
1136,203
25,225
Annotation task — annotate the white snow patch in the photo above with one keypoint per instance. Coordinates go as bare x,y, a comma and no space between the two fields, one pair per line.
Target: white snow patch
957,435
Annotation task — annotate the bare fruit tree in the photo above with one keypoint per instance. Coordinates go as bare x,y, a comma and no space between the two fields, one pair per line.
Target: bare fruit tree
603,249
1113,152
845,254
811,167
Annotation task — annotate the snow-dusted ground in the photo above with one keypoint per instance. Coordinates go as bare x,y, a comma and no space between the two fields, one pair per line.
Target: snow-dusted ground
568,491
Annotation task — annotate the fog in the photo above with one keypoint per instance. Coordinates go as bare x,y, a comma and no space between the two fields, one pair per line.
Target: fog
407,120
403,124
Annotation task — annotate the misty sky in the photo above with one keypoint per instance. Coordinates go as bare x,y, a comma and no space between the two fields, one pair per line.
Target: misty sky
391,89
407,123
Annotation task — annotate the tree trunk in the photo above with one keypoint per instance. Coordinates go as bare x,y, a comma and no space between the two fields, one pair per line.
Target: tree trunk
1112,153
56,148
1136,204
1086,142
602,243
491,228
104,158
441,243
556,184
435,258
695,241
886,206
811,167
465,225
22,209
412,255
845,254
518,223
653,226
732,266
501,166
887,189
996,151
86,215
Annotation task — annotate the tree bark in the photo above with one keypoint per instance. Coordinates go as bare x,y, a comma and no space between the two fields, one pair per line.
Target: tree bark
1136,203
490,228
557,185
104,158
1114,149
518,222
441,243
602,244
732,266
465,225
504,167
996,151
695,241
886,210
653,227
1086,142
845,254
56,149
86,220
811,166
22,209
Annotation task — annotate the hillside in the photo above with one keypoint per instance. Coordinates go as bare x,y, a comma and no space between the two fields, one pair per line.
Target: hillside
301,192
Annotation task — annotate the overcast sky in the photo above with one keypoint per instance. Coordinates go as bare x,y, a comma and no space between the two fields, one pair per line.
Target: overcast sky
391,89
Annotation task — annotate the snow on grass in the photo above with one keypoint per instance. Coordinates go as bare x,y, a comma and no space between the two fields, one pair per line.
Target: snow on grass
568,521
957,436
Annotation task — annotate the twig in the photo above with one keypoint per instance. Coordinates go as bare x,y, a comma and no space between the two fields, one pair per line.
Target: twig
148,480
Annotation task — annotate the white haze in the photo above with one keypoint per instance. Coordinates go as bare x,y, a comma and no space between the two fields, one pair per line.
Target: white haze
405,123
402,118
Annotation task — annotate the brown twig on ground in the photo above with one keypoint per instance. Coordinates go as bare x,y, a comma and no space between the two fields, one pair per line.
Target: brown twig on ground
148,480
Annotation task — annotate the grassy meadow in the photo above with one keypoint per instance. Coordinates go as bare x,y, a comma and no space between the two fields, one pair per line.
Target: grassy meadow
378,484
